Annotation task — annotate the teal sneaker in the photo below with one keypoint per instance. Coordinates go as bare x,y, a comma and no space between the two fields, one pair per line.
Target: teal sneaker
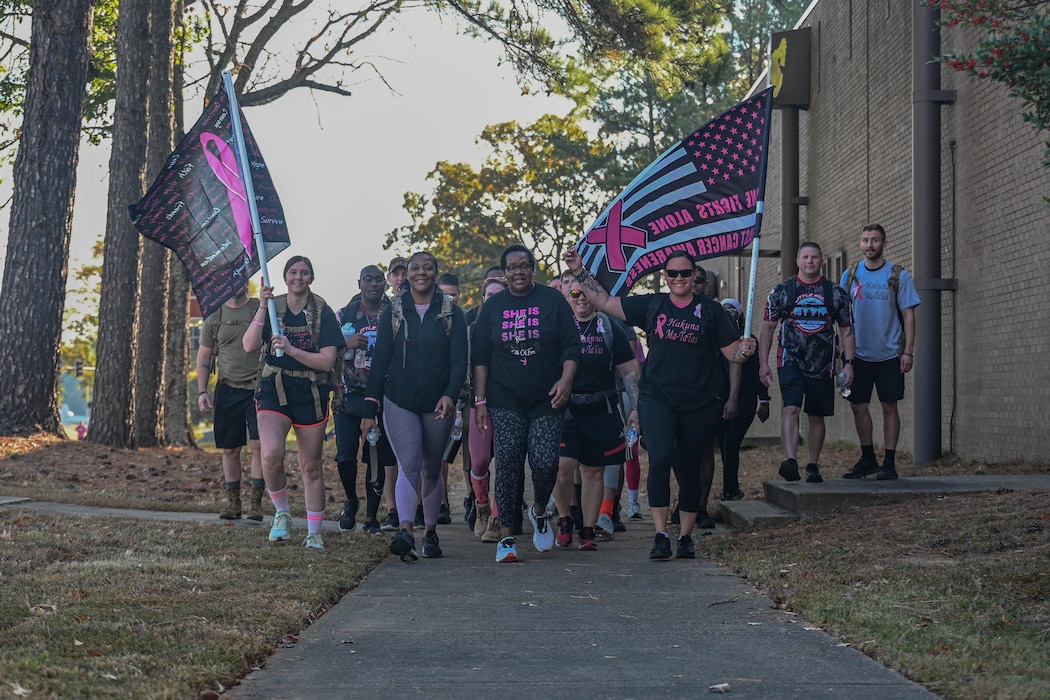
314,541
282,526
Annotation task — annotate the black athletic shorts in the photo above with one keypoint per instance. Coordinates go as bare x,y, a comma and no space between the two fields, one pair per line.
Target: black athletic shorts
235,421
819,393
301,408
593,435
884,376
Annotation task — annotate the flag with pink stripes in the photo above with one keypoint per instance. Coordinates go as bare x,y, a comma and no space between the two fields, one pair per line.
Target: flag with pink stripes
704,195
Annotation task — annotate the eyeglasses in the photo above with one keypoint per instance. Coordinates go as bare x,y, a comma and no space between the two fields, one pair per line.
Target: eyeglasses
518,268
700,280
575,293
679,273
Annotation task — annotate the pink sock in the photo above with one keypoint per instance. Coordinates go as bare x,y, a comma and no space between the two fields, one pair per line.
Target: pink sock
633,473
481,487
279,498
314,519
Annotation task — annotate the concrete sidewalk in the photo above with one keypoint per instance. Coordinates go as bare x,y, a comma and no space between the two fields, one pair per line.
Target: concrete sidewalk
605,624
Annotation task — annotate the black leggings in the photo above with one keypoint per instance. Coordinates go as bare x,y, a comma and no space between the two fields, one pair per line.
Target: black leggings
730,440
675,437
516,436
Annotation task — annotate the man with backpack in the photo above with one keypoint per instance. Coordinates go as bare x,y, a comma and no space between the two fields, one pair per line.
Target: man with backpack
808,307
234,403
884,301
359,320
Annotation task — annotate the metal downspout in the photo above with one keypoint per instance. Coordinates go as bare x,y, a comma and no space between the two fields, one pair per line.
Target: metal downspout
926,225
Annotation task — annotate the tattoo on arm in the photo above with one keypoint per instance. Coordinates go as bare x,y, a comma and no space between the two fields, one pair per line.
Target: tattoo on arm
630,383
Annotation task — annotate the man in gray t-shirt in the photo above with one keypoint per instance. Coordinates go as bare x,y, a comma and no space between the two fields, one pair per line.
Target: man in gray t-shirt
884,301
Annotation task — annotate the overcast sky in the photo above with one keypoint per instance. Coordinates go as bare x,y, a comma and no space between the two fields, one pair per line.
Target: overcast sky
341,165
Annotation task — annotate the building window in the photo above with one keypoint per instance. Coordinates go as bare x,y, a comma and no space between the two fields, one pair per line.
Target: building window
195,338
834,266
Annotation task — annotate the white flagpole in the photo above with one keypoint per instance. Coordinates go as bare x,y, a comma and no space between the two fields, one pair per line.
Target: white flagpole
759,208
249,191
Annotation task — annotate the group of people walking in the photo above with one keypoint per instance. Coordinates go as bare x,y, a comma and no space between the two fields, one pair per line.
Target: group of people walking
547,374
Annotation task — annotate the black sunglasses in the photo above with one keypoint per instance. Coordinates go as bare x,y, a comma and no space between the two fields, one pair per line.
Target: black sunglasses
679,273
575,293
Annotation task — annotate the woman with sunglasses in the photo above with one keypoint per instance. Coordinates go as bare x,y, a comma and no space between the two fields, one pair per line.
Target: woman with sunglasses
293,391
525,350
417,372
592,438
678,404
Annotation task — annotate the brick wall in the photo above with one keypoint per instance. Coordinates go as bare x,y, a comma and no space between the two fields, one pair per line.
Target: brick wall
856,152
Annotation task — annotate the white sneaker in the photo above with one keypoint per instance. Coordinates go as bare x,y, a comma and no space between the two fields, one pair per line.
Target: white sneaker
542,533
605,524
634,512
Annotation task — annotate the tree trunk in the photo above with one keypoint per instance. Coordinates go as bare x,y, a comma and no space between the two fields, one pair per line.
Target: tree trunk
177,427
151,369
44,177
118,313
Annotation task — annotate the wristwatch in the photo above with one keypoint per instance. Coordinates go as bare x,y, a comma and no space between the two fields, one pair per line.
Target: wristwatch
847,362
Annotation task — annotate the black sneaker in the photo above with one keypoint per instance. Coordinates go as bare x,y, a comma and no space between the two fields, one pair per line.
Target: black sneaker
887,473
813,474
704,521
618,525
737,495
470,511
431,549
576,513
444,515
371,527
419,516
403,545
391,524
348,520
685,548
864,467
661,547
789,470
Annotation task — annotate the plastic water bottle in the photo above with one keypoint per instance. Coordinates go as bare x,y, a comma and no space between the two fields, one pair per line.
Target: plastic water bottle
457,426
372,437
348,332
843,389
632,437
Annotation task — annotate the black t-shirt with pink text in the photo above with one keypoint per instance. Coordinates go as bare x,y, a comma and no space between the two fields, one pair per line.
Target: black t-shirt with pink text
524,341
596,373
682,367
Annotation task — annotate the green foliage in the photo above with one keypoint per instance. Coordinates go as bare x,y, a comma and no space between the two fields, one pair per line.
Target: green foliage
542,184
1013,49
15,30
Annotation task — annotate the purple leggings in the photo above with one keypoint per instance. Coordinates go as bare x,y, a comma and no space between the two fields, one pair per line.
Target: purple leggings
418,440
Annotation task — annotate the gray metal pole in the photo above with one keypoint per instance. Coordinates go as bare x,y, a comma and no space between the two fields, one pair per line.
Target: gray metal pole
789,186
926,223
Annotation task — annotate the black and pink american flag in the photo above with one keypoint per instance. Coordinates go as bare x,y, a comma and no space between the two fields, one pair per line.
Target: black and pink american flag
704,195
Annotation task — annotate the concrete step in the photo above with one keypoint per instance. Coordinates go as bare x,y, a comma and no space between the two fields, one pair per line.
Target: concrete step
838,494
754,515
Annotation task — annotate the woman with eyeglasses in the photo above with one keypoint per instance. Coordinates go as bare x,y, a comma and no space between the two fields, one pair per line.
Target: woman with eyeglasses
525,351
419,364
678,406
